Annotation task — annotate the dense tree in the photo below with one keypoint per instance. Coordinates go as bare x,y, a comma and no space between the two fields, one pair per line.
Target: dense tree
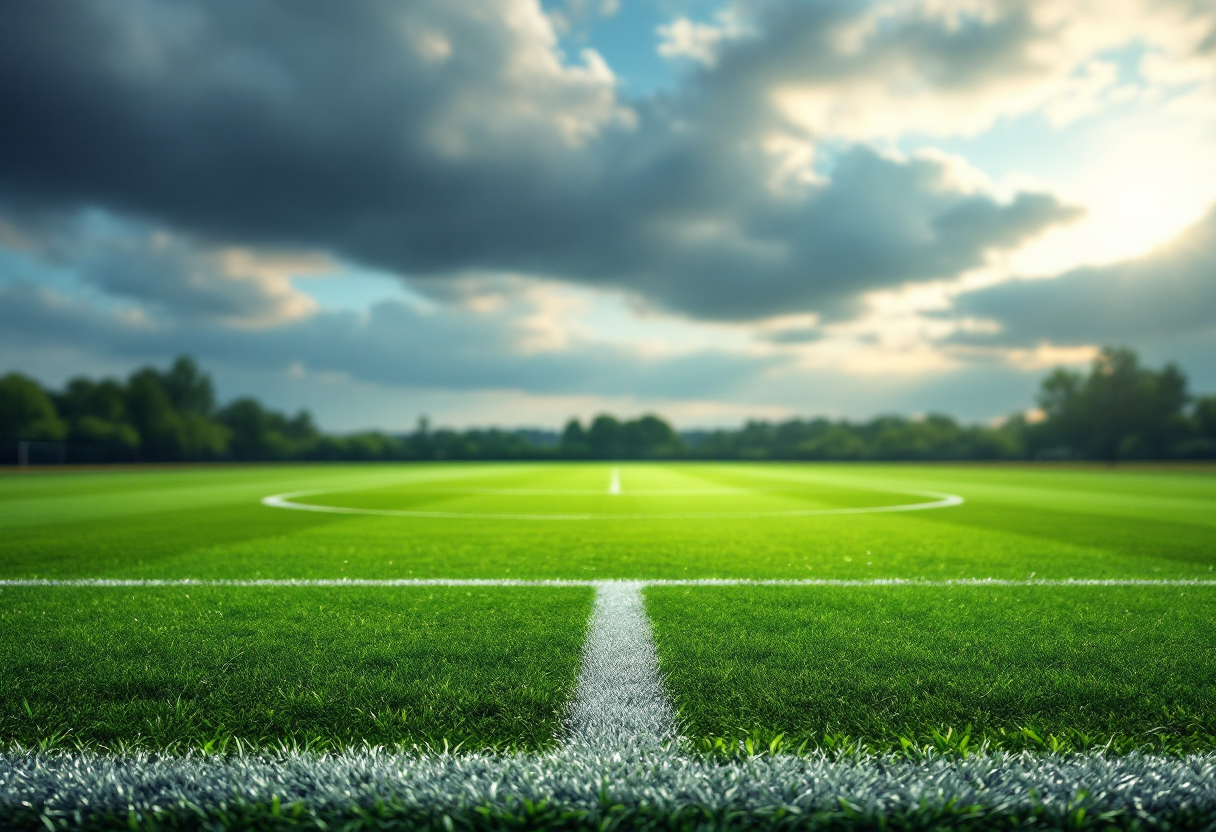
649,438
256,432
97,415
1118,410
832,442
604,437
167,432
189,389
1205,417
574,443
26,411
886,437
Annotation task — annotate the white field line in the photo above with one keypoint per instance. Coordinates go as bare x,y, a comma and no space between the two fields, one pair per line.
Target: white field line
560,582
614,484
1158,791
619,703
939,500
300,582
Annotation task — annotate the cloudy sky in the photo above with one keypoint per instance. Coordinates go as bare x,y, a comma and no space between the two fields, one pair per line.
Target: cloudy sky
511,212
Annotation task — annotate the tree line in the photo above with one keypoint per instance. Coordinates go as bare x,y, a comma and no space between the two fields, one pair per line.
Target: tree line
1118,410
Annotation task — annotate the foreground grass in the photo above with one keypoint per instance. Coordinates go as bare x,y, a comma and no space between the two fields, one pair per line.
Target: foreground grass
894,668
375,790
1031,667
205,667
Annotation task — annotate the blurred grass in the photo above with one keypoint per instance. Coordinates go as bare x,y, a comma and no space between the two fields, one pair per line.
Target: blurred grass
208,523
220,668
907,669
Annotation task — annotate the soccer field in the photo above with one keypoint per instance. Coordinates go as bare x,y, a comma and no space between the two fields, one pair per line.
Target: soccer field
884,627
574,611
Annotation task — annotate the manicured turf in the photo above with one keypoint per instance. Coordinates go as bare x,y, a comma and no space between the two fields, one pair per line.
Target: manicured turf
209,523
189,667
1077,666
495,667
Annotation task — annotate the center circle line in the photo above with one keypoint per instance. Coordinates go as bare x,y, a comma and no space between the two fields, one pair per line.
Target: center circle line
287,501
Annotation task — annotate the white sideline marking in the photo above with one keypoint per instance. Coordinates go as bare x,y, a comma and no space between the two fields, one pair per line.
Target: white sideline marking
940,500
619,702
614,484
1168,791
302,582
560,582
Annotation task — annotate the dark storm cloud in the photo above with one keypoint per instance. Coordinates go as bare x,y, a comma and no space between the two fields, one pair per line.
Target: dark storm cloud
914,48
168,272
796,335
1168,293
394,344
439,138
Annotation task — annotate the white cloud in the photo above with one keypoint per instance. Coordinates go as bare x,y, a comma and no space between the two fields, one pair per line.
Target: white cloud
955,67
530,95
574,17
701,42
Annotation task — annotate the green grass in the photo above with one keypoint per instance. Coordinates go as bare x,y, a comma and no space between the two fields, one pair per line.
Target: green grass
893,667
1070,660
203,667
208,523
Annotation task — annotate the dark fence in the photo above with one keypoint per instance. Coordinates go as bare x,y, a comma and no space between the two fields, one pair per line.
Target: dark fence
29,452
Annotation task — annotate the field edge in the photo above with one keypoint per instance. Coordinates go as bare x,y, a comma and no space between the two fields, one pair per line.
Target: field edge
374,789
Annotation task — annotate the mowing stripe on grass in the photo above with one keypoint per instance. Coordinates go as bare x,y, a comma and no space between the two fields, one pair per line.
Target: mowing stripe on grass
559,582
939,500
619,703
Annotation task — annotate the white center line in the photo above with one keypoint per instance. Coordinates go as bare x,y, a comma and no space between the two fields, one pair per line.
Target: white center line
619,703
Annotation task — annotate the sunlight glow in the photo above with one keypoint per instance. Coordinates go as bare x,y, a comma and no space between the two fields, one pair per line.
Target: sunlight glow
1140,191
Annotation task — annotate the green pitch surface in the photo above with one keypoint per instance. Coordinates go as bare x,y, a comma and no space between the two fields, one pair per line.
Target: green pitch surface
302,666
737,523
496,666
1035,667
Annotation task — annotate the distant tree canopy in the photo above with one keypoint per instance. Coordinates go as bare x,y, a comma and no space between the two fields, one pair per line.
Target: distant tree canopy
1118,410
26,412
1121,410
606,438
934,437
